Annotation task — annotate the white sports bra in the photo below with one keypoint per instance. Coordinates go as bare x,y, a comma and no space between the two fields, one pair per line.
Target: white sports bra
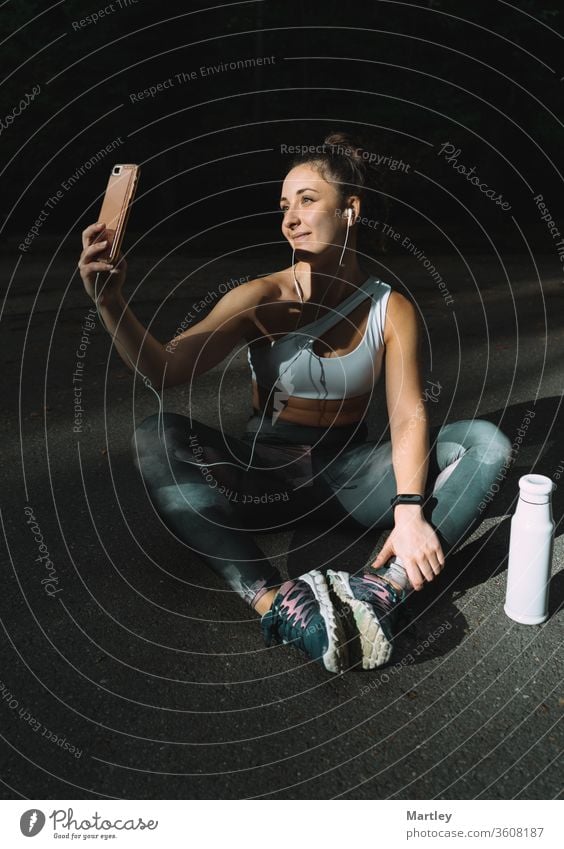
291,364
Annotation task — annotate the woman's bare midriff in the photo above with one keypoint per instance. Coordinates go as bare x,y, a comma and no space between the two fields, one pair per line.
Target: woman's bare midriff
332,412
339,340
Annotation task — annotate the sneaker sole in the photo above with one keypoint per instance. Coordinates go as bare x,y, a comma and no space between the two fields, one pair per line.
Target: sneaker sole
336,656
376,647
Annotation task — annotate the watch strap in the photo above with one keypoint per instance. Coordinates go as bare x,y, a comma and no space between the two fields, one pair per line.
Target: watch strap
407,498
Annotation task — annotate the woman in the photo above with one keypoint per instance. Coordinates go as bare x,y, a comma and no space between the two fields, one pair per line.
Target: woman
317,333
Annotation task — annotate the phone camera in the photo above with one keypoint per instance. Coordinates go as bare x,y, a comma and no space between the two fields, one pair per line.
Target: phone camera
117,169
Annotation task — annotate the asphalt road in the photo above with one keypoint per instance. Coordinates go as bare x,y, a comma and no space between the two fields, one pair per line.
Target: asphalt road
142,677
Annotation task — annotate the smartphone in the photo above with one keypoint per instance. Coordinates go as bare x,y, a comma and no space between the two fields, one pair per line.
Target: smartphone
116,206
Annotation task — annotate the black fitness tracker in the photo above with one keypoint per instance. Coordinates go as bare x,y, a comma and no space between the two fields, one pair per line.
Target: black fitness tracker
406,498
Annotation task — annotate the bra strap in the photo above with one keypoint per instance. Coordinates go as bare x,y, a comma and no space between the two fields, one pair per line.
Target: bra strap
335,315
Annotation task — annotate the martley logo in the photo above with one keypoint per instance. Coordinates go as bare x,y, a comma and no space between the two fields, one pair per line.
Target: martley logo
32,822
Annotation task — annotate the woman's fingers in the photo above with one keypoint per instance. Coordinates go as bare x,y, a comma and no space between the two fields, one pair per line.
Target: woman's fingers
426,568
384,555
92,267
430,565
90,252
434,564
437,558
415,576
437,565
90,233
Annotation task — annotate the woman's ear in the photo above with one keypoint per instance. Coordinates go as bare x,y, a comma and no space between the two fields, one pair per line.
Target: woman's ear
353,202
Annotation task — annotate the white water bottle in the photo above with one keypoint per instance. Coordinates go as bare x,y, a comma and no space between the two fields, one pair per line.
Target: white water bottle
530,552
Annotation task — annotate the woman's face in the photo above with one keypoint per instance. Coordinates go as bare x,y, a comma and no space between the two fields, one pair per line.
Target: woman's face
310,207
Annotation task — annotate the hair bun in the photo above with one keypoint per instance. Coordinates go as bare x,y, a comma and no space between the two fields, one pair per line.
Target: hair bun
344,144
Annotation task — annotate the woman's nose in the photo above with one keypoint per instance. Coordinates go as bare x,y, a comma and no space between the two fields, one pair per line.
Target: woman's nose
291,218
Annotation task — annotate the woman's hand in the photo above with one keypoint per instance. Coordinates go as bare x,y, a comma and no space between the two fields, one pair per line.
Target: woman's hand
112,277
417,545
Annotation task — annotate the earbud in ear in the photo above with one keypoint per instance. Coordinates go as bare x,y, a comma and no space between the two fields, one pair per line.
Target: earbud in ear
349,215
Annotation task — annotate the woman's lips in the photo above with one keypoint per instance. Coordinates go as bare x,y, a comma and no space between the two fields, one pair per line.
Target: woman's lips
302,236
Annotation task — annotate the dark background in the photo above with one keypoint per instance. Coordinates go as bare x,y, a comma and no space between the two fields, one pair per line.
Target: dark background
145,661
483,76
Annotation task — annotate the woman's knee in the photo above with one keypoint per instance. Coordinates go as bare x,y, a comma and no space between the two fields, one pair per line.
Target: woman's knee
486,441
495,446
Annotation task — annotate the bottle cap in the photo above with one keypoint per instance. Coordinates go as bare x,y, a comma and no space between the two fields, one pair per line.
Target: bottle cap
536,489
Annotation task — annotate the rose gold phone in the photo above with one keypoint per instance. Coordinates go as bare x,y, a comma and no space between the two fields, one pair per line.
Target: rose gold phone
115,209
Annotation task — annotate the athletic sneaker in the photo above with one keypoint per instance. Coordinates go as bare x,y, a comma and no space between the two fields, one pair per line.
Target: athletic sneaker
374,605
303,615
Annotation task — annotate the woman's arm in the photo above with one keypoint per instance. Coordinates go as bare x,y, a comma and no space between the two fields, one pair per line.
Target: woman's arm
181,359
412,539
409,426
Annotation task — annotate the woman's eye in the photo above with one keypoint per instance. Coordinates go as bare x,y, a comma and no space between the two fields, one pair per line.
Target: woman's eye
284,209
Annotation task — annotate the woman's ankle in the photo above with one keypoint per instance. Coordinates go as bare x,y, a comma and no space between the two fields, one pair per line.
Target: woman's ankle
394,573
264,603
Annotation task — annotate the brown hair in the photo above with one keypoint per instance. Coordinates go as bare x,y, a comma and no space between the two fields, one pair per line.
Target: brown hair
346,161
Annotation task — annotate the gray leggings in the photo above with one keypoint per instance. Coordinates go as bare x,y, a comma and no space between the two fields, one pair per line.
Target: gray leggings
301,473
